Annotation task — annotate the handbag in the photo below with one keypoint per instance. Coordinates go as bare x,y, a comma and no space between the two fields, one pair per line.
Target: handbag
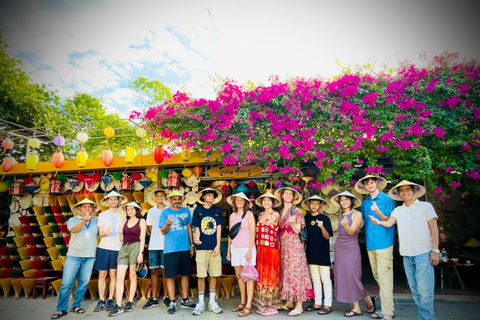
303,234
236,228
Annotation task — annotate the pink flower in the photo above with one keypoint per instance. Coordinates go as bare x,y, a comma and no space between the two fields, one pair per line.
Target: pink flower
369,98
438,190
453,101
455,184
449,169
349,91
463,88
439,132
431,85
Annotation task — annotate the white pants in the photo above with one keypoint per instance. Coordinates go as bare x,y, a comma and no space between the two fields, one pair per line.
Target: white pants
322,284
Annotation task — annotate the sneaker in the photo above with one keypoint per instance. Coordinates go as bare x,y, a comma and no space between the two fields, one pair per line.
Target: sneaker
187,304
150,303
214,307
110,305
100,306
129,306
172,308
116,310
166,302
199,308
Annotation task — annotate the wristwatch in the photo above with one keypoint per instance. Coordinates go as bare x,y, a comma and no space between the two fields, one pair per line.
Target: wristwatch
436,250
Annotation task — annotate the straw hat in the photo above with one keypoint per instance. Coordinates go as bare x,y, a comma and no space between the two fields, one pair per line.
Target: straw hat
78,187
192,181
110,184
151,196
335,199
323,207
218,195
104,202
135,205
76,208
175,194
297,197
331,187
382,183
276,202
239,195
417,192
191,197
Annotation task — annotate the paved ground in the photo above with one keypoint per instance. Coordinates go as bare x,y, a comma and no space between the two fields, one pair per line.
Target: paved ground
446,307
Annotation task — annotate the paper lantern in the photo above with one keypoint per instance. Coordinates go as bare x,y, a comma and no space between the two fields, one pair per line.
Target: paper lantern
31,162
58,159
187,172
34,143
136,175
59,141
82,137
3,186
81,176
186,155
233,184
117,175
7,144
129,155
197,171
158,154
167,133
251,184
242,188
107,157
164,173
82,158
225,188
141,133
8,163
109,132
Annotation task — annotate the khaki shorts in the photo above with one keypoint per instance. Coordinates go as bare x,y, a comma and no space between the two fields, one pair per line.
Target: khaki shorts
128,254
206,261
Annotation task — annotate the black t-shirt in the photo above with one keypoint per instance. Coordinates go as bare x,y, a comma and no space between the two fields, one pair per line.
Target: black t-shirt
318,248
207,220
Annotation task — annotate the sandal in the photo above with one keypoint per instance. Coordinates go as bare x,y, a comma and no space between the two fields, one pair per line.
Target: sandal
294,313
245,312
58,314
78,310
312,308
352,313
377,315
372,307
323,311
238,308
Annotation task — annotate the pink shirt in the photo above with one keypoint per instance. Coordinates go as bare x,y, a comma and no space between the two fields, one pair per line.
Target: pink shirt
243,237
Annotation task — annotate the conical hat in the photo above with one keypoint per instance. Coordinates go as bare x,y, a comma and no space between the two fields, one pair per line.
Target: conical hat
382,183
276,202
218,196
76,208
122,201
151,196
323,207
335,199
297,197
417,193
240,195
135,205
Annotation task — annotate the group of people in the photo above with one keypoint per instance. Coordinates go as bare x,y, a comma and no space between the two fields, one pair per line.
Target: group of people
292,268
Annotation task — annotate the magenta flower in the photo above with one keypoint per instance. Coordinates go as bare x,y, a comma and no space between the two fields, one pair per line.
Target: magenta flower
349,91
455,184
439,132
369,98
431,85
438,190
449,169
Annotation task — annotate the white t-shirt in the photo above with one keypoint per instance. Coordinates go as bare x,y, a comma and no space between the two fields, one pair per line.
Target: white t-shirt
113,221
413,232
157,239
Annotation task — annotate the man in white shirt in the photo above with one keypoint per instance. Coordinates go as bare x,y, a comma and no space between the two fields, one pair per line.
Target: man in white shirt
418,238
109,221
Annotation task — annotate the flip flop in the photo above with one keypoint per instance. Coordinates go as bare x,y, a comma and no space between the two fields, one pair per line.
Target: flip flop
58,314
294,313
324,311
312,308
353,314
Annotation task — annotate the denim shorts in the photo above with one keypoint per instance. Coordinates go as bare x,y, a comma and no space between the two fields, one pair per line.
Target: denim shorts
106,259
155,259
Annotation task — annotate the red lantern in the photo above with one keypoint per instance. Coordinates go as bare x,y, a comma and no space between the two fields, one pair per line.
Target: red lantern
158,154
8,164
7,144
107,157
58,159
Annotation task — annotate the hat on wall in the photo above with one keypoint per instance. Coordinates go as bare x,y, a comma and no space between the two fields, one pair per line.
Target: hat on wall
335,200
122,201
324,205
418,190
218,195
239,195
275,201
382,183
76,208
297,197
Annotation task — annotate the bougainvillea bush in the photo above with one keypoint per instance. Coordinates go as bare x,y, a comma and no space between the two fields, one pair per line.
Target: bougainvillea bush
425,119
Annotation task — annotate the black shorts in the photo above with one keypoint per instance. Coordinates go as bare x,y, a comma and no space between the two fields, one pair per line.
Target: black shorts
106,259
177,263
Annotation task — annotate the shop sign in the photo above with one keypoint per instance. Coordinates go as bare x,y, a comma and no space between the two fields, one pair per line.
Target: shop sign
235,171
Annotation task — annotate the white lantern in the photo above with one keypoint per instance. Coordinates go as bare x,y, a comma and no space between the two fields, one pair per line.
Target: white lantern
82,137
141,133
33,142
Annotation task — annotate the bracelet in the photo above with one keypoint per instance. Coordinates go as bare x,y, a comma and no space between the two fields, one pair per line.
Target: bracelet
192,245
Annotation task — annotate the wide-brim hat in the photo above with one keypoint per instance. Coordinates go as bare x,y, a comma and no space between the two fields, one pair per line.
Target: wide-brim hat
135,205
175,193
276,202
239,195
141,270
335,199
151,196
297,197
93,187
218,195
192,181
417,192
76,208
323,207
78,187
122,201
382,183
25,201
110,184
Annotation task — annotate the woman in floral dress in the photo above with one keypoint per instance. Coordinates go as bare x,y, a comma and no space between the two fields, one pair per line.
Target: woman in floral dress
267,289
295,277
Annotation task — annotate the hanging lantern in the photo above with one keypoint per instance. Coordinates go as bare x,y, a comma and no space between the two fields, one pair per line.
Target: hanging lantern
233,184
197,171
58,159
164,173
8,163
261,186
109,132
242,188
34,143
186,155
3,186
59,141
167,133
129,155
141,133
158,154
251,184
31,162
82,158
7,143
82,137
225,188
107,157
81,176
186,172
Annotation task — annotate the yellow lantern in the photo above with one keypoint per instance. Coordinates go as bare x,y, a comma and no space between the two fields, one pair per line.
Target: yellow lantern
109,132
34,143
3,186
31,162
186,155
130,155
187,173
141,133
82,158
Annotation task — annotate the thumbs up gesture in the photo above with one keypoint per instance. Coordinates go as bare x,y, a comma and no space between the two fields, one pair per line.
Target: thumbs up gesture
169,221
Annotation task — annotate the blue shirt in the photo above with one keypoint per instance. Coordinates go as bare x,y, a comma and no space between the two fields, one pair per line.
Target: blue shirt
378,237
207,220
176,239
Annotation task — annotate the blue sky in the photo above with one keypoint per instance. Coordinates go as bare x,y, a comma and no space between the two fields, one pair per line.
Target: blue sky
97,47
